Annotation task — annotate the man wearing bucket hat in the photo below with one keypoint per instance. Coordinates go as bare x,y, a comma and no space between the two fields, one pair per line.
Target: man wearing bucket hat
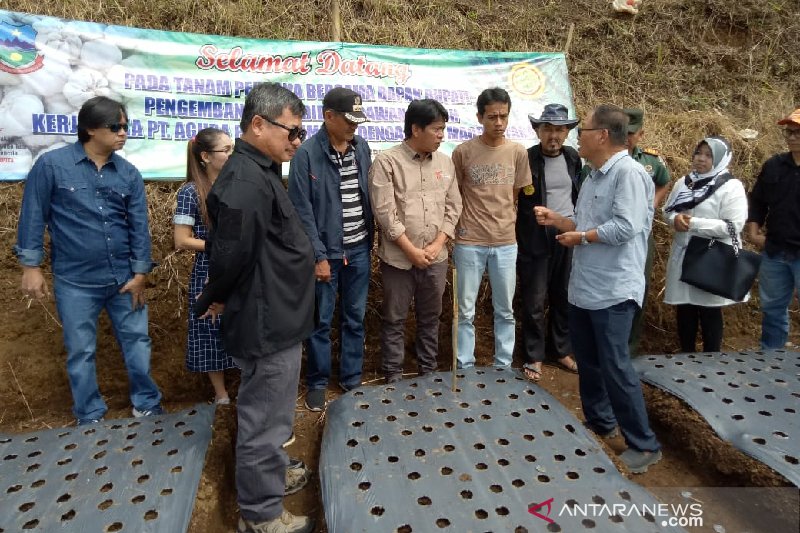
775,197
543,265
328,187
654,165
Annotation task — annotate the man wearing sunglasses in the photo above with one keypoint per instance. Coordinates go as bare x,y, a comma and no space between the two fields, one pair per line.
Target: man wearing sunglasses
774,200
93,203
328,187
261,269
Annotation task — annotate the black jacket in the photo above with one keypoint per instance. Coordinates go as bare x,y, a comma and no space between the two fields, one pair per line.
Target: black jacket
774,201
532,239
261,263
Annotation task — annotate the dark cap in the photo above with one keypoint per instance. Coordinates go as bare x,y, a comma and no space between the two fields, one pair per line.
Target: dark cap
555,114
346,102
635,119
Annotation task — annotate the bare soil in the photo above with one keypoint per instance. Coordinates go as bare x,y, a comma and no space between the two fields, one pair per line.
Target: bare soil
35,395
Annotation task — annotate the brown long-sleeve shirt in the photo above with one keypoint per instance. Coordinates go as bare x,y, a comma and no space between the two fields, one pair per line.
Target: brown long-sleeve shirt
413,194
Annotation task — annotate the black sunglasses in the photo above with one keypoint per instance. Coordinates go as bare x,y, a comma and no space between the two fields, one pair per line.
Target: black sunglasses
295,132
114,128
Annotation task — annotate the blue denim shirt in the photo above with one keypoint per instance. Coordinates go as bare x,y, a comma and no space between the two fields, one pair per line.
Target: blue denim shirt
617,201
97,219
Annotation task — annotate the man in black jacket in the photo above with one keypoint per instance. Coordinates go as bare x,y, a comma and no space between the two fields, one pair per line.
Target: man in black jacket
261,268
543,265
774,208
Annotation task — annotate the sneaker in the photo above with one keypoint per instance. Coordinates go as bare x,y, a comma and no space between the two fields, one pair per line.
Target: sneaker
89,421
153,411
397,378
612,433
289,441
296,479
348,388
285,523
296,463
638,462
222,401
315,400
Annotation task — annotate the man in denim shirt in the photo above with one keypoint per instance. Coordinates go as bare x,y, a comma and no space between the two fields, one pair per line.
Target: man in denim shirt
613,217
93,203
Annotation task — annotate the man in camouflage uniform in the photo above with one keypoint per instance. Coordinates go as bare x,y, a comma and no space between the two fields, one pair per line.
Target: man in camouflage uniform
654,166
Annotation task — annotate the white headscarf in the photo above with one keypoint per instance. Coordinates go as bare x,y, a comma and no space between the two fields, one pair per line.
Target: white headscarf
697,187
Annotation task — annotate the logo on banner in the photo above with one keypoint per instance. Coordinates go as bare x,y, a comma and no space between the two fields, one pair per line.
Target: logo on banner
527,80
18,54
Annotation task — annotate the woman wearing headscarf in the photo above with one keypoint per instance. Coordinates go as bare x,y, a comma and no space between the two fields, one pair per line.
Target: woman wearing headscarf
700,204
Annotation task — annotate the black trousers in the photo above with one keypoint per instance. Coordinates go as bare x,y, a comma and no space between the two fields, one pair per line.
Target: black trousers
544,280
710,322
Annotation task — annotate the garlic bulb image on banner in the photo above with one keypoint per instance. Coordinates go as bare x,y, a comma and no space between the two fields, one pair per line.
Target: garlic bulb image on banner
100,55
48,80
62,47
15,113
87,83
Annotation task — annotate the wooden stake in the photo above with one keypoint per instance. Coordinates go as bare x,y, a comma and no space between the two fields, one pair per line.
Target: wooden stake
455,329
569,39
336,26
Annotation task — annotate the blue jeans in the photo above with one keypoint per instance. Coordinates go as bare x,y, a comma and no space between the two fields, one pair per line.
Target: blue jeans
79,307
471,262
778,280
352,282
610,389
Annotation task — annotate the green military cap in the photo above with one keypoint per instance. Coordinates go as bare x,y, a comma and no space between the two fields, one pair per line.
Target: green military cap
635,119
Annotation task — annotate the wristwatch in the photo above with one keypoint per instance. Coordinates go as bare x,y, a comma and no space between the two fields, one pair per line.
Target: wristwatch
584,240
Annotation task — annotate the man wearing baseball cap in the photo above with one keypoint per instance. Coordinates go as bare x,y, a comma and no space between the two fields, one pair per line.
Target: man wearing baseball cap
775,197
328,187
654,165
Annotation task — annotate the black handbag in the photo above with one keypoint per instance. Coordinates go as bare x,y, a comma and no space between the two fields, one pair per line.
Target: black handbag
719,268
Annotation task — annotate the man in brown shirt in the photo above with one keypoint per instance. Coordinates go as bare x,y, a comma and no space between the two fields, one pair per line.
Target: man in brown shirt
416,203
490,170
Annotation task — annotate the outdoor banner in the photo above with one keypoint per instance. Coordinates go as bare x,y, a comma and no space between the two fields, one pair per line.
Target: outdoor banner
174,84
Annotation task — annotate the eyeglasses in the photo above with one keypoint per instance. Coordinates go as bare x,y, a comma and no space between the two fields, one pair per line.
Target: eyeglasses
114,128
228,150
789,133
581,130
295,132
